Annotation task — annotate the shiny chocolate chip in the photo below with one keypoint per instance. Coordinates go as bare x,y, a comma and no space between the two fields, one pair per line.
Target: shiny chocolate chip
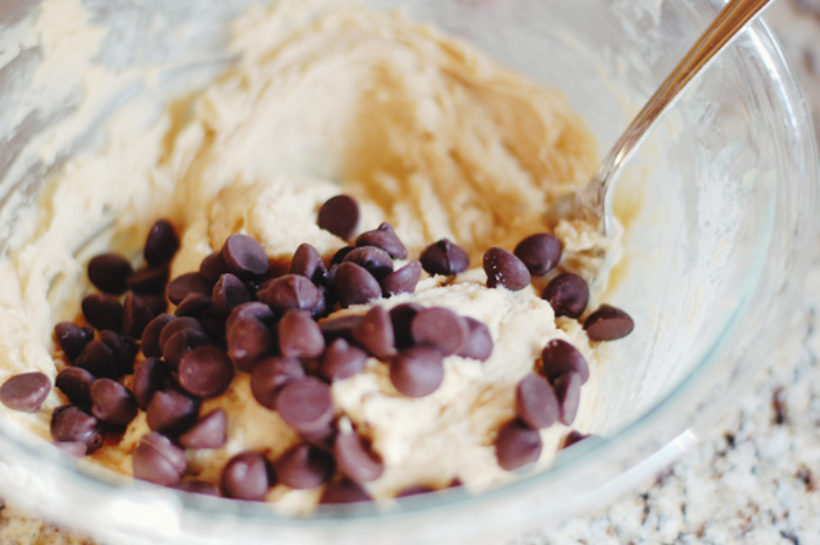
98,359
340,327
171,411
568,391
112,403
340,216
299,335
384,238
403,280
212,267
304,466
244,256
479,343
567,294
178,288
228,293
356,285
248,340
505,270
375,333
74,382
149,280
176,325
440,328
209,432
72,338
401,316
73,424
540,252
195,305
149,342
270,375
417,371
124,350
25,391
181,343
108,273
102,311
137,313
157,460
343,491
161,243
305,404
247,476
535,402
375,260
205,371
150,377
341,360
444,257
517,445
338,257
608,323
308,263
355,459
560,357
290,291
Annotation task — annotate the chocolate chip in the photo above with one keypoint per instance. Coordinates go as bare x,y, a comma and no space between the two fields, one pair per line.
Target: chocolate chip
506,270
560,357
403,280
304,466
341,361
535,402
299,335
567,294
72,448
339,256
25,391
150,377
248,340
98,359
254,309
385,238
157,460
305,404
102,311
375,333
340,328
73,424
161,243
322,438
375,260
205,371
74,383
479,343
444,257
137,313
209,432
112,402
343,491
540,252
440,328
401,316
178,288
149,280
212,267
270,375
290,291
244,256
195,305
171,411
228,292
124,350
149,342
199,487
108,273
247,476
307,262
355,459
72,338
356,285
573,437
568,391
517,445
340,216
608,323
417,371
181,343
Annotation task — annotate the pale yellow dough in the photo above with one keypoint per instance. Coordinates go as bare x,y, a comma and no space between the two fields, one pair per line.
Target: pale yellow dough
427,133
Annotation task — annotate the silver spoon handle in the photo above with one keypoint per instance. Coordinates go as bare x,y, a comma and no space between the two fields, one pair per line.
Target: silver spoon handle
726,25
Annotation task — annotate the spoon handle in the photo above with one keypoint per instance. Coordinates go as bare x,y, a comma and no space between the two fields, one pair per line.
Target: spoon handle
725,26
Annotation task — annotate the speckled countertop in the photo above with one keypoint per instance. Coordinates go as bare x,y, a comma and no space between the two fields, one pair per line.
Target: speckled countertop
755,480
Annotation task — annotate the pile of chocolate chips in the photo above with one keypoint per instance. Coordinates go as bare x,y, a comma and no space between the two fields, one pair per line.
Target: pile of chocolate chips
240,313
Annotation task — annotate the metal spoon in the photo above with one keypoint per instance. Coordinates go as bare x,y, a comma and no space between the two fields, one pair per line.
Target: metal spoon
594,201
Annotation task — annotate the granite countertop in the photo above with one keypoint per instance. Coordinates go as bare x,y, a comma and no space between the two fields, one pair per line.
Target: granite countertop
755,480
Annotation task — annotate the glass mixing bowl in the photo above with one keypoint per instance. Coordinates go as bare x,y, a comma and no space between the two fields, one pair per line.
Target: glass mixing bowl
717,207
